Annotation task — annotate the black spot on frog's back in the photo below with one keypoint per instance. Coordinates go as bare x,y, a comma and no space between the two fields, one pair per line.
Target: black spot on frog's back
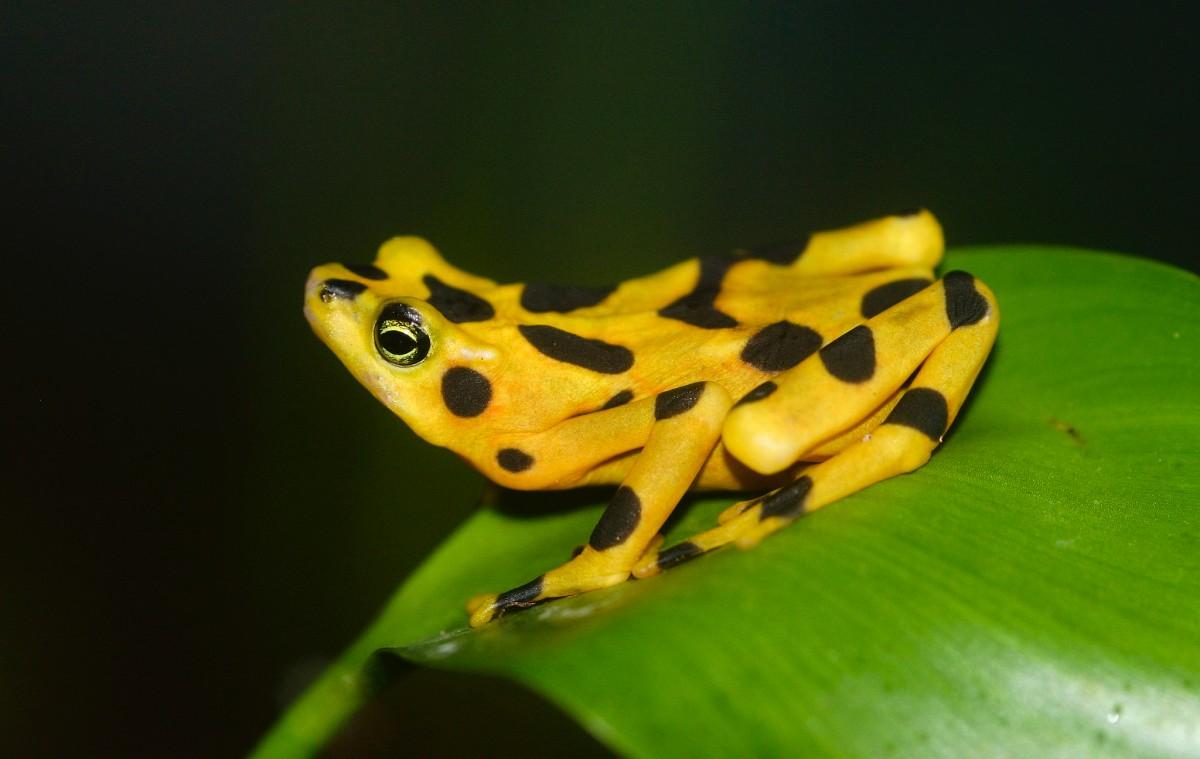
585,352
457,305
780,346
697,307
367,271
539,299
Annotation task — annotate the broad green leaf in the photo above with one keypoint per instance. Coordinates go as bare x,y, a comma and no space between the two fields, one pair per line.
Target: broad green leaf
1033,591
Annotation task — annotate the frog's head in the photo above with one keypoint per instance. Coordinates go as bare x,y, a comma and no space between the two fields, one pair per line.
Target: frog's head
395,325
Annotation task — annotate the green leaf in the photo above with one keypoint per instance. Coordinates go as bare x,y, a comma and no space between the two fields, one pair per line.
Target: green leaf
1033,591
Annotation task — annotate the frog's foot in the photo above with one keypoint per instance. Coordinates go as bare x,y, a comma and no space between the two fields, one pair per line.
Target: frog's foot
587,571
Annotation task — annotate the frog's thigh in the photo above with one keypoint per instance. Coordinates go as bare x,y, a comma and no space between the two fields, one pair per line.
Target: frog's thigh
686,427
845,381
912,239
902,443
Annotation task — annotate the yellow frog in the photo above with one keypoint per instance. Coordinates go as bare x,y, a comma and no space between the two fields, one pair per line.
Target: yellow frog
809,369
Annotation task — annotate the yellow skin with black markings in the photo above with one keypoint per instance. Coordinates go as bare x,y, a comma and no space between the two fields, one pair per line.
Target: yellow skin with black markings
781,369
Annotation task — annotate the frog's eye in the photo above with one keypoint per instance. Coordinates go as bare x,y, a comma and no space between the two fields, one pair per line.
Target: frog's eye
399,336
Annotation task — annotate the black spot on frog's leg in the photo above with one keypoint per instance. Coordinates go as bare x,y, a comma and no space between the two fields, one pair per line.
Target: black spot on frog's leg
696,308
539,299
521,597
851,358
758,393
366,271
924,410
882,298
678,400
457,305
465,391
787,502
964,304
677,554
619,521
780,346
569,348
514,460
782,253
620,399
340,289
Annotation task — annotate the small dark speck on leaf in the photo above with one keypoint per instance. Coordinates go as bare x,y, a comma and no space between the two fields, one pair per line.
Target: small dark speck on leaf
1067,429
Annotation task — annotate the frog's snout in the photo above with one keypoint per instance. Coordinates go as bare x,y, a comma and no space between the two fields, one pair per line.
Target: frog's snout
328,286
329,298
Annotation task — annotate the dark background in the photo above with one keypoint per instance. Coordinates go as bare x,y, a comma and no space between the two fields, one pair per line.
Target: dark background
201,504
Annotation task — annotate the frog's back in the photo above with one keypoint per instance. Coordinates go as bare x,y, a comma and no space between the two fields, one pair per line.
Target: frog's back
733,320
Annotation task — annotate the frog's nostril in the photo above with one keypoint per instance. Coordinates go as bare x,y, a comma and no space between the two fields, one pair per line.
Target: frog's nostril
344,289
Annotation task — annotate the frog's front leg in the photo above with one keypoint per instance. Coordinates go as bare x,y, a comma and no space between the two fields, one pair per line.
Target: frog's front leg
685,426
959,317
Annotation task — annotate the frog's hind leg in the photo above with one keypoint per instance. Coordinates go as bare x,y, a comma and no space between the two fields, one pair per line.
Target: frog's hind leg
901,443
685,428
789,417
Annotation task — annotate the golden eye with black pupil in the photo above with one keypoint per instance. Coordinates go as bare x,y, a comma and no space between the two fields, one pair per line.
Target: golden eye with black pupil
399,336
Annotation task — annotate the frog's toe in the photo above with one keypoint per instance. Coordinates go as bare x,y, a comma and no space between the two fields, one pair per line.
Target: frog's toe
488,607
476,602
657,560
737,509
483,613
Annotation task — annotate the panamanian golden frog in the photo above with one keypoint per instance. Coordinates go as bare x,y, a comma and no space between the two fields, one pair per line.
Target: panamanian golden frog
805,370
